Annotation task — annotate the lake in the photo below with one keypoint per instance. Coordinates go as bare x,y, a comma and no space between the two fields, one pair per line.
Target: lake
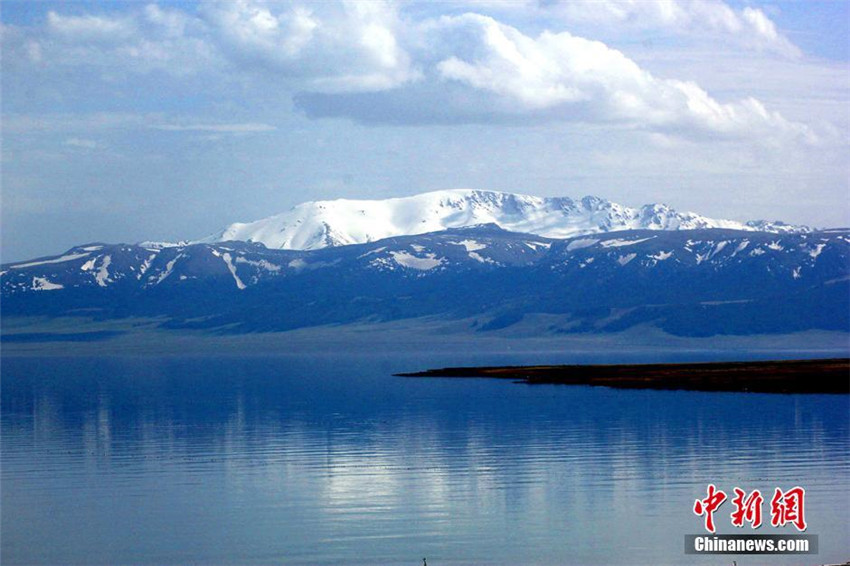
332,460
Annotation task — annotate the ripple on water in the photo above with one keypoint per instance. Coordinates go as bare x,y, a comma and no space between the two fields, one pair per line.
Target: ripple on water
322,463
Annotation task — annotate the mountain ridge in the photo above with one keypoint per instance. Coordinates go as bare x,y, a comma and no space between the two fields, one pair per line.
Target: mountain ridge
689,283
319,224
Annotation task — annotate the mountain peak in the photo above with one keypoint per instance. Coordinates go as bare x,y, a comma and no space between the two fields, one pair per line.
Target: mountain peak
328,223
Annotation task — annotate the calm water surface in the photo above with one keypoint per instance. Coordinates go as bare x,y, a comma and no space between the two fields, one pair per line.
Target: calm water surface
331,460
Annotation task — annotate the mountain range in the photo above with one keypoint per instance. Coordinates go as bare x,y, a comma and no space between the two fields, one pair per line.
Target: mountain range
696,282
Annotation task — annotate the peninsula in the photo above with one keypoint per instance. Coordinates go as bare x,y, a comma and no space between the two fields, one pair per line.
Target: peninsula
775,376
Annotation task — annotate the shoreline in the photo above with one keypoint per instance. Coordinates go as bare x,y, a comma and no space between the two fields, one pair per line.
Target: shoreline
775,376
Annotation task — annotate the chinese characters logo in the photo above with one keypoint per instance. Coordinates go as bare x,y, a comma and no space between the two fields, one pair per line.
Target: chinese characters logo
786,507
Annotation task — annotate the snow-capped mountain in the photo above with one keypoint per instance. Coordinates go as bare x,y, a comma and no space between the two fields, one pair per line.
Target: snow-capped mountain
321,224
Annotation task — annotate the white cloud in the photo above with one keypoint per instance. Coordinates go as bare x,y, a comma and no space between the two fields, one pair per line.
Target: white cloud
77,125
324,46
90,28
749,27
245,128
134,40
587,80
81,143
762,33
329,47
72,123
170,23
515,66
252,28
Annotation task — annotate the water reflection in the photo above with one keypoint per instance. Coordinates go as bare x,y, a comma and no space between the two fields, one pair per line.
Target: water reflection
322,460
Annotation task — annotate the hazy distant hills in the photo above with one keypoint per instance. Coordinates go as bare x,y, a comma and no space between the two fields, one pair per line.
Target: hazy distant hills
314,225
687,282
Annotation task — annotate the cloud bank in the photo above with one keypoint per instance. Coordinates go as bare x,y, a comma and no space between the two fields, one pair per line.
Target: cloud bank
384,62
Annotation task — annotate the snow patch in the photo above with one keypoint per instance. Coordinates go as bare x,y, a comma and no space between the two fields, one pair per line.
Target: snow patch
413,262
624,259
756,252
741,247
535,245
102,276
89,265
469,245
775,246
168,268
661,256
382,263
375,251
478,257
261,264
145,266
417,248
621,243
817,251
718,247
63,259
796,273
42,284
232,268
157,246
583,243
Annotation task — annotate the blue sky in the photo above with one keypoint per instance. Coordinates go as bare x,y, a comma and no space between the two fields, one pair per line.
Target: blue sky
129,121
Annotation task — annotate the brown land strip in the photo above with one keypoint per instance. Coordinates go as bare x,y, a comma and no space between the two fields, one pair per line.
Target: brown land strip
786,376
